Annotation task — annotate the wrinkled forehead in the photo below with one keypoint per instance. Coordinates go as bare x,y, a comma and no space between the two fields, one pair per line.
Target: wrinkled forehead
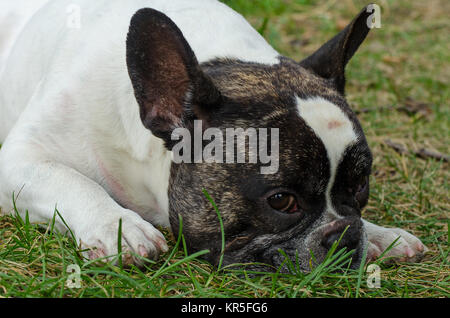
314,119
283,92
256,82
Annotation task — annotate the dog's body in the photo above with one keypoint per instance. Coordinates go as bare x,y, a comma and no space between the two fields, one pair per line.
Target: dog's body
73,134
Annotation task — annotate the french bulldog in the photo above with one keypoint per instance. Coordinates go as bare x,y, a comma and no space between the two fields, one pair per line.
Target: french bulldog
89,108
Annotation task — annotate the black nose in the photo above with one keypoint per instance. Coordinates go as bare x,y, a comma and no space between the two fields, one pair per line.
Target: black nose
335,231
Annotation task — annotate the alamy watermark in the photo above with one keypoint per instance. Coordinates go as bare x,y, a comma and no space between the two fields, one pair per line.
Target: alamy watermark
374,20
374,277
74,279
73,12
231,145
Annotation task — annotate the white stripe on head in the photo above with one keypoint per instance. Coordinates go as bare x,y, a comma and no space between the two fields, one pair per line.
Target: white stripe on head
333,128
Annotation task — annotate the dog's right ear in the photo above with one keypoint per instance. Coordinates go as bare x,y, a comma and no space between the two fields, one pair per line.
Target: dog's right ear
168,83
330,59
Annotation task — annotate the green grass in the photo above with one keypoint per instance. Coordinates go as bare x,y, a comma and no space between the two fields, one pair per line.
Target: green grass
34,261
406,58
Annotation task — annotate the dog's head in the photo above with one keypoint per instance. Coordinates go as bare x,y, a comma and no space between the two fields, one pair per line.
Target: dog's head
321,178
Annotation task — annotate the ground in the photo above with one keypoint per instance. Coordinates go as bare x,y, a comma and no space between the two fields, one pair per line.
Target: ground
398,85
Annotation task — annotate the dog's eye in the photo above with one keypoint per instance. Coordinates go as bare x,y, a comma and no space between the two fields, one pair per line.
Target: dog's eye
283,202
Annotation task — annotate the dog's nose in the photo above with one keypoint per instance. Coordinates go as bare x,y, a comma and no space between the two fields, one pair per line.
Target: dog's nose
348,230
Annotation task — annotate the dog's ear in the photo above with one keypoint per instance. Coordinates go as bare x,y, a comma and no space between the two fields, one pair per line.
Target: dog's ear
330,59
168,83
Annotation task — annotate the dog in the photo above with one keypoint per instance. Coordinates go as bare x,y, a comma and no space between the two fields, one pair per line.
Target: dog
88,113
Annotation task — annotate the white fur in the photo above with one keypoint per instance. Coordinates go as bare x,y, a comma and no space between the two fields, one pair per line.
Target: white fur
14,15
70,126
333,128
336,132
407,246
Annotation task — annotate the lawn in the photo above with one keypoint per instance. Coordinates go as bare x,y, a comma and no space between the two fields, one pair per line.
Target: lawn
398,85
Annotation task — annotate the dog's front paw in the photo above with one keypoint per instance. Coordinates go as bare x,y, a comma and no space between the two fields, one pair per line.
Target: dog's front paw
407,248
138,237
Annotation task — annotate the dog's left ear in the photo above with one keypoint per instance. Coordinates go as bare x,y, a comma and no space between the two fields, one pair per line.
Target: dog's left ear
330,59
169,85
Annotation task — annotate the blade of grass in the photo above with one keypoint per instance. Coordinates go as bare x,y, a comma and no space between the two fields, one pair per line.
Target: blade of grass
360,272
119,245
221,228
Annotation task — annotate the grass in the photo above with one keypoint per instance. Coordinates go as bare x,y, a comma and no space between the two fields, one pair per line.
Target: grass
34,261
406,58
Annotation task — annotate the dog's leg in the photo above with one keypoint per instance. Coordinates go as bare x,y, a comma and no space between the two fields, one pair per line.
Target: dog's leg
407,248
39,184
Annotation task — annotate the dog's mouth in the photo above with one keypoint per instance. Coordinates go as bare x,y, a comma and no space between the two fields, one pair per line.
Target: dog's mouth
286,259
292,251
